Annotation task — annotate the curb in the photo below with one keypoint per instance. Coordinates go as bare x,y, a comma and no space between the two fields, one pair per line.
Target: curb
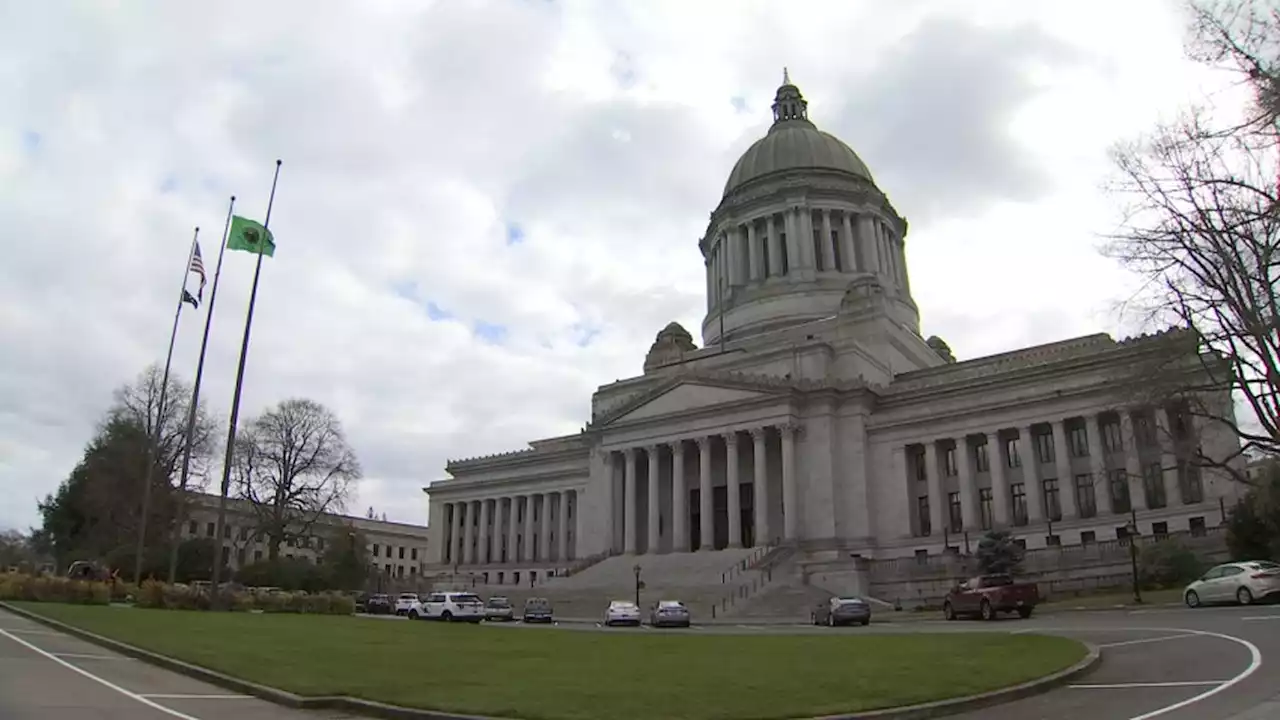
926,711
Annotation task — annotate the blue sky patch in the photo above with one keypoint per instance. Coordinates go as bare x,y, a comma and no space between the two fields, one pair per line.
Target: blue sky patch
515,234
490,332
169,184
31,140
739,103
583,335
437,313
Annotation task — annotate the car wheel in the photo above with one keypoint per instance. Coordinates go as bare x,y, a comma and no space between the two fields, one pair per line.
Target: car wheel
813,618
1244,596
866,622
988,612
1024,612
1192,599
413,614
446,616
831,621
948,612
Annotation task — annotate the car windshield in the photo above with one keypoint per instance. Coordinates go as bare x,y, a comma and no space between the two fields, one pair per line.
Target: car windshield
674,604
499,603
850,601
620,605
1264,565
537,603
466,598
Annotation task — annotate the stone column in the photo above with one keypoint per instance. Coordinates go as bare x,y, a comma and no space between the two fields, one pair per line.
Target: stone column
734,489
679,500
734,235
544,528
776,251
562,526
484,550
1062,460
470,553
1132,463
805,223
1168,459
753,253
847,245
939,515
1098,459
968,488
513,530
870,242
827,243
629,515
705,509
1031,475
759,491
455,537
790,501
527,530
999,479
795,254
654,500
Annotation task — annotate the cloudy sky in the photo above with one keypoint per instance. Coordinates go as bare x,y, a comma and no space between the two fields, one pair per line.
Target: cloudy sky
487,209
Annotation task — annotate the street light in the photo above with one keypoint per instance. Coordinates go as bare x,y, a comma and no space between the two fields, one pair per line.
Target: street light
1132,530
639,584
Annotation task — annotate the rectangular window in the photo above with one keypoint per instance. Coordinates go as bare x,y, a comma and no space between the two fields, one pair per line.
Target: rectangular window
401,552
922,514
1111,439
389,548
257,556
1120,502
413,555
988,508
210,529
950,460
226,532
1160,529
1052,541
1078,440
980,460
1122,534
1052,503
226,554
1189,482
1044,448
1011,452
1153,485
192,528
240,557
919,463
1018,493
957,516
375,549
1087,537
1086,498
1196,526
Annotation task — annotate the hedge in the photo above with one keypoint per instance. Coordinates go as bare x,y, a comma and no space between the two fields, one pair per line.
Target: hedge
153,594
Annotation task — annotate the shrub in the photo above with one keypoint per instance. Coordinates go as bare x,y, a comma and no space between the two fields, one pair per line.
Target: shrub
157,595
1167,563
54,589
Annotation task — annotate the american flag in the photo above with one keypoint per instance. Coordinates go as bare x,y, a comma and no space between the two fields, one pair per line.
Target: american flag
197,267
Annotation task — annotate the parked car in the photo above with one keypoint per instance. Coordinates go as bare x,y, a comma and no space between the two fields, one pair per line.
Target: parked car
842,611
499,608
1241,582
622,612
669,613
988,595
406,602
453,606
379,605
538,610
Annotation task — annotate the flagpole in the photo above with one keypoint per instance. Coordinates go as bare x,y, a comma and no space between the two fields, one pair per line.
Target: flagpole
153,442
192,413
235,399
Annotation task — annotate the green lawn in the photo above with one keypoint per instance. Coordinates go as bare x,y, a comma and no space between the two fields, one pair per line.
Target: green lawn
1108,599
576,675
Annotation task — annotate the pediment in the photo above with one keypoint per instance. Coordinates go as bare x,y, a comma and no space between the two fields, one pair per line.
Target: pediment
687,396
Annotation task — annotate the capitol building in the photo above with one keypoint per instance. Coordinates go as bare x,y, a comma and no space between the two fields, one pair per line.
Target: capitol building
817,415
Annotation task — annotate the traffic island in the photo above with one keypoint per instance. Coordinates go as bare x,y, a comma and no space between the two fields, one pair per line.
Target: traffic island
437,671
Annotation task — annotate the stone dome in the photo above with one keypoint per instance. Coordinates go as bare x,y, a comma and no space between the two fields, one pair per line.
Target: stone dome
794,143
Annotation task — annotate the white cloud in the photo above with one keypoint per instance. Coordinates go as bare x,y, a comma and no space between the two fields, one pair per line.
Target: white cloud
421,140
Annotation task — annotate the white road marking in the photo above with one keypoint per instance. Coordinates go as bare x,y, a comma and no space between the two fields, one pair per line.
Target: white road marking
106,683
1180,683
1255,662
173,696
29,632
86,656
1261,617
1146,640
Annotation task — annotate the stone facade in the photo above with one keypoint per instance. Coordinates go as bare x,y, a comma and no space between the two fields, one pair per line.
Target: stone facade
396,550
818,415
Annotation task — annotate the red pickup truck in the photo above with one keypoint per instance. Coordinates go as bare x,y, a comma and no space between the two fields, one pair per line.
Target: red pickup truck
987,595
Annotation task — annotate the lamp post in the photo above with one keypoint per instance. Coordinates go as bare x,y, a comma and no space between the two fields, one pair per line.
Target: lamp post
1132,529
636,570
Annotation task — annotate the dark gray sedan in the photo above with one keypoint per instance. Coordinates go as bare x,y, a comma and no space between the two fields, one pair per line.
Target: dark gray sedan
842,611
669,613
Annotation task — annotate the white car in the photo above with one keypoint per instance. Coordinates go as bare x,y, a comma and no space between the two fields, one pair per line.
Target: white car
622,612
406,602
453,606
1239,582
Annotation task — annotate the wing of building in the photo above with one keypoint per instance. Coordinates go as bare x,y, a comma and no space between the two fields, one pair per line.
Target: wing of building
817,416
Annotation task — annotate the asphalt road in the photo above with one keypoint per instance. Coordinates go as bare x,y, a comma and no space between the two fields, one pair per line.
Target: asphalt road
1167,663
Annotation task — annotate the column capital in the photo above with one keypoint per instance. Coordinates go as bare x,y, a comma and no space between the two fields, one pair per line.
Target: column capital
652,448
629,453
731,438
759,433
677,447
703,442
790,428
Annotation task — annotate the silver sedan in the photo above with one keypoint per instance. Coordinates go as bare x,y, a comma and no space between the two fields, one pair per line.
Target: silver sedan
669,613
622,612
1240,582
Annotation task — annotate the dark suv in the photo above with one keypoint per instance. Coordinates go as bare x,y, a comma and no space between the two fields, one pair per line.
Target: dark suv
538,610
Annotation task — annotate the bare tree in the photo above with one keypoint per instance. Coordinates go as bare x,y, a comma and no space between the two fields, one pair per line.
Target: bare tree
293,464
1202,227
139,404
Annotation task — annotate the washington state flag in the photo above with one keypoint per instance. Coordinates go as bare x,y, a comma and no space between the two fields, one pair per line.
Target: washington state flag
250,236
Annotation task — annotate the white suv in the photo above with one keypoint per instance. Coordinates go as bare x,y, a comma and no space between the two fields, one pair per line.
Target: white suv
405,602
451,606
